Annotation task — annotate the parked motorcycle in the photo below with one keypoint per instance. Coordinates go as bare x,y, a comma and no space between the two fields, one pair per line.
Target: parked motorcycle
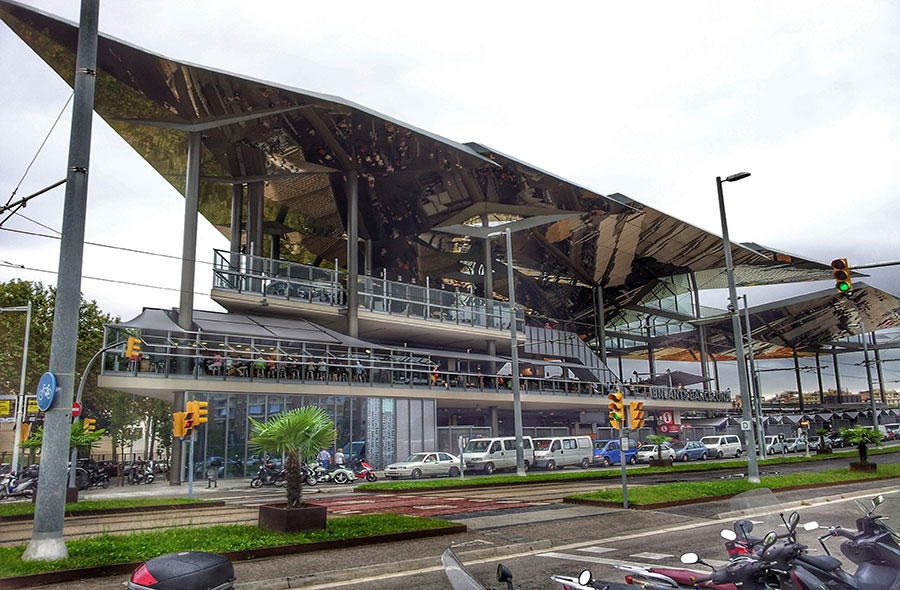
268,475
186,570
338,475
138,473
363,470
12,486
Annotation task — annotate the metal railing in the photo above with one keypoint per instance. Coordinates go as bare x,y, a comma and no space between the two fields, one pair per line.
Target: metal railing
311,284
223,357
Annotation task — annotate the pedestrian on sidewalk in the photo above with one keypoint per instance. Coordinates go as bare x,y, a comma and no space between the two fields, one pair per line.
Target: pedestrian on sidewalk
324,458
339,458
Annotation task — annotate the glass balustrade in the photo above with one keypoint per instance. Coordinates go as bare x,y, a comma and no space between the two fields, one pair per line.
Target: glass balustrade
222,357
310,284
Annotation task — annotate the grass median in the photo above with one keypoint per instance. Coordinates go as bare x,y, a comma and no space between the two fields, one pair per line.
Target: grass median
111,549
541,476
16,508
689,490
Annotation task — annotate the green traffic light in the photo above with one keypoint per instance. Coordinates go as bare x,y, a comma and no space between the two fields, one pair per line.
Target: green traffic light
843,287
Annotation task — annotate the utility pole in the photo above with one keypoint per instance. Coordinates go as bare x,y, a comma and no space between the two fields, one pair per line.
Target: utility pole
47,537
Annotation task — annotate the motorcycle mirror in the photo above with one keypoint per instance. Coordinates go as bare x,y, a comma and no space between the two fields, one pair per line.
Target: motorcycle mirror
811,526
770,538
689,558
877,500
585,577
503,574
728,535
793,519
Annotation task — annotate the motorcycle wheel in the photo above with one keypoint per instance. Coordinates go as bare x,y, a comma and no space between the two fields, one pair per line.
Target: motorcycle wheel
279,481
371,476
255,483
311,480
104,482
341,477
149,478
4,493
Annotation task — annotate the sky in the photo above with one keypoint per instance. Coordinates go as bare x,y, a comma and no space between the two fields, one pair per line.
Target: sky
650,99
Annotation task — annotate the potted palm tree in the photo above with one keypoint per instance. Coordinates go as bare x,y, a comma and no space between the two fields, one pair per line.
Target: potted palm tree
298,435
659,440
862,436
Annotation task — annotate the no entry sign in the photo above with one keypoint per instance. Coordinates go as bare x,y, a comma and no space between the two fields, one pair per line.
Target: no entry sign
76,409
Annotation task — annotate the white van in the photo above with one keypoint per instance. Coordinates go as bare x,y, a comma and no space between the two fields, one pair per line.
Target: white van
723,445
559,451
490,454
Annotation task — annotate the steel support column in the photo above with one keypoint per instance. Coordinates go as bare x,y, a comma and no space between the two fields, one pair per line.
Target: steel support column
47,537
351,189
600,322
878,368
799,381
837,373
189,239
819,379
237,219
701,332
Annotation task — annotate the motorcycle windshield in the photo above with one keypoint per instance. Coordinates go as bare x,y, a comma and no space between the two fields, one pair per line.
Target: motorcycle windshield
754,513
460,578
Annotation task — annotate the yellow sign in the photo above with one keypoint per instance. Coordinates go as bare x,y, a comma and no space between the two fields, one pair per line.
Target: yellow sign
5,407
32,407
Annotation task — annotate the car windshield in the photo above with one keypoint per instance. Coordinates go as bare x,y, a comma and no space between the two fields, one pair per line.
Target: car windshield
678,444
477,446
710,440
541,445
790,441
417,458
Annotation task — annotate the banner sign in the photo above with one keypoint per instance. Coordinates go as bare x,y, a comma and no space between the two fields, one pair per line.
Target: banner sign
678,394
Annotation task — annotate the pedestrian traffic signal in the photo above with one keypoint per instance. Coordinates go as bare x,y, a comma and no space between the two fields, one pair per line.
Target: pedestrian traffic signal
133,348
90,425
841,271
637,415
198,411
178,424
616,409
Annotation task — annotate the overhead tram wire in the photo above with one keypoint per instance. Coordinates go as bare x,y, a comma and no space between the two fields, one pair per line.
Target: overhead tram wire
99,245
7,264
41,147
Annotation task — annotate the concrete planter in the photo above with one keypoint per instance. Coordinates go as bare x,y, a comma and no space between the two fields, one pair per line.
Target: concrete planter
865,467
278,517
660,462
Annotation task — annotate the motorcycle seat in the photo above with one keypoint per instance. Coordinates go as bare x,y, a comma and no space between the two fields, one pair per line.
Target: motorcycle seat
823,562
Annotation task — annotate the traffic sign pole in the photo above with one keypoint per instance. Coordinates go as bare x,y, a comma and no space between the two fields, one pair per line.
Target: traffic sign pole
622,438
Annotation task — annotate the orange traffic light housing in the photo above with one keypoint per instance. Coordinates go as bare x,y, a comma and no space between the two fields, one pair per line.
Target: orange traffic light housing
840,269
178,419
133,348
637,415
616,409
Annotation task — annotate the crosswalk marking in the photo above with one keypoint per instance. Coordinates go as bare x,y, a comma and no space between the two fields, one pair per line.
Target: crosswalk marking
649,555
597,549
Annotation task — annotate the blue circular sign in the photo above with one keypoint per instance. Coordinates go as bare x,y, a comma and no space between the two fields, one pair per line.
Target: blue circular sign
46,391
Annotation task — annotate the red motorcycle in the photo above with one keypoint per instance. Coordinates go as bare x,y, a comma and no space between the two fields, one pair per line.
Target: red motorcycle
363,470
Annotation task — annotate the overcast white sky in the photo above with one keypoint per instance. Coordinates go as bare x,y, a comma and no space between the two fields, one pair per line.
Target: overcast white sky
650,99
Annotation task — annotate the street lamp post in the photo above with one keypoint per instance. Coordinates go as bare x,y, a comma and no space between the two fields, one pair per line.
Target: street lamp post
20,400
752,465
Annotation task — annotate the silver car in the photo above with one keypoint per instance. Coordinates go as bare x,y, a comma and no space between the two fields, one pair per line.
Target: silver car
795,445
775,445
424,464
647,452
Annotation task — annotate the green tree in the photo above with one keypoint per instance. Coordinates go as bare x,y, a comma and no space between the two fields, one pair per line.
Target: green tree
298,434
861,436
659,440
78,438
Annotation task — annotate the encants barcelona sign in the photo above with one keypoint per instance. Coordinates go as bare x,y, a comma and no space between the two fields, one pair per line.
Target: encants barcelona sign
678,394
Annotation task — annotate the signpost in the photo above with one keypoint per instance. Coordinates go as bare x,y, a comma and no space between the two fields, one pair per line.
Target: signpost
46,391
667,417
76,409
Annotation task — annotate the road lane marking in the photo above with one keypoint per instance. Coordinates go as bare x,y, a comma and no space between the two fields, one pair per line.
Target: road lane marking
592,559
650,555
598,549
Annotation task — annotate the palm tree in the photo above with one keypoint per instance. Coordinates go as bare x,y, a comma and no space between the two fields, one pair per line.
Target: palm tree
861,436
297,434
79,438
659,440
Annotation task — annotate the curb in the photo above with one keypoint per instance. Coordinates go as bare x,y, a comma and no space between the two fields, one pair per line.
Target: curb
124,568
635,473
702,499
344,575
123,510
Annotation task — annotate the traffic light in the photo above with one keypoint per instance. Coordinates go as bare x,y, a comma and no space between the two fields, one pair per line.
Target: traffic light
616,409
841,271
133,348
198,410
804,424
90,425
637,415
178,419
